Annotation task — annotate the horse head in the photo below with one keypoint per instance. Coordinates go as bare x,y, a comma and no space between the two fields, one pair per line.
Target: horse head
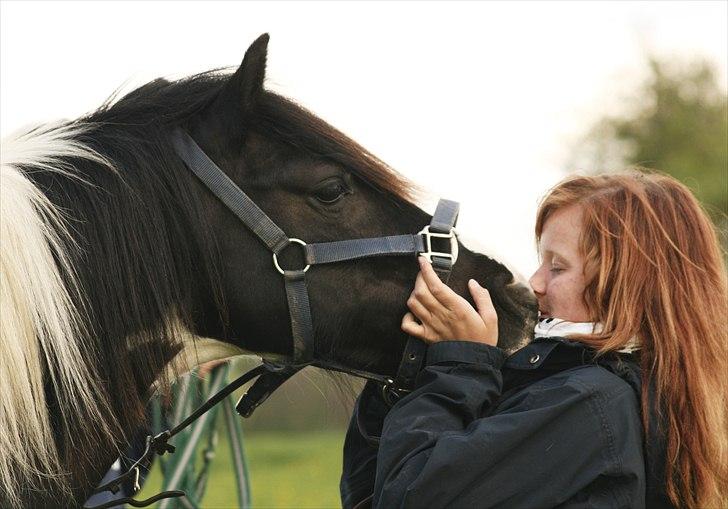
318,185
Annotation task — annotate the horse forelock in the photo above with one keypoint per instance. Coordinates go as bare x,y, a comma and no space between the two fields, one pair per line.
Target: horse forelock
287,121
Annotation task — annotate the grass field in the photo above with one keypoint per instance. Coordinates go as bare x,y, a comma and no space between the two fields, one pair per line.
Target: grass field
287,470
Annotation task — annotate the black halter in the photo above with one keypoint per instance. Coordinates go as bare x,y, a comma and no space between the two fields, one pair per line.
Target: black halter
270,375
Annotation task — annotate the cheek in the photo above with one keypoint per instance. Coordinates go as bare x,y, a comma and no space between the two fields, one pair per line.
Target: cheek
566,299
565,291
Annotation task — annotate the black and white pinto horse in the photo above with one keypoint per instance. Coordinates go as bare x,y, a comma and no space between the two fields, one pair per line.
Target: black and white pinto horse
119,266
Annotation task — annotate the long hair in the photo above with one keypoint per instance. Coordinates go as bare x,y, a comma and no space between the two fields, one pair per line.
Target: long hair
654,270
42,331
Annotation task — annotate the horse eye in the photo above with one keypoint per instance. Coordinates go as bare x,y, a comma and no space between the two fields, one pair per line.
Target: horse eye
331,192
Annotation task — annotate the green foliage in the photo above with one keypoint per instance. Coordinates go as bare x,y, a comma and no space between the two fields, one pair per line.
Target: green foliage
678,124
295,469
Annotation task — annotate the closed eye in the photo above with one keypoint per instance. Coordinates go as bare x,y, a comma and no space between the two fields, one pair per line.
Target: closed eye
331,191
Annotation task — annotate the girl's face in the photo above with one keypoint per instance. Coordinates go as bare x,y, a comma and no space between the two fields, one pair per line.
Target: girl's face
559,281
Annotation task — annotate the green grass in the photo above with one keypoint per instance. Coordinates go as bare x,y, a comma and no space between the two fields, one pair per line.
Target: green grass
287,470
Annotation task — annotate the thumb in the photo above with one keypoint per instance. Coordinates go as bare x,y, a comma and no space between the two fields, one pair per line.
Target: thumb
483,302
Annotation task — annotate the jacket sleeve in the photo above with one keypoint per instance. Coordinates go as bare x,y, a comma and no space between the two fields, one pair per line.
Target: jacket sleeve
361,446
442,445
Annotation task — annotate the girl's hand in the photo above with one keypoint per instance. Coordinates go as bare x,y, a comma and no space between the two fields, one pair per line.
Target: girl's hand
444,315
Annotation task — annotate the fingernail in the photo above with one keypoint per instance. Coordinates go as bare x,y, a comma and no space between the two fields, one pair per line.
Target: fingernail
473,282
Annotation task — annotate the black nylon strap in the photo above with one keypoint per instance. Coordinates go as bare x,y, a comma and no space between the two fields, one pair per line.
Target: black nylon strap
443,221
263,387
445,217
158,444
410,365
328,252
334,366
416,349
300,311
228,192
442,267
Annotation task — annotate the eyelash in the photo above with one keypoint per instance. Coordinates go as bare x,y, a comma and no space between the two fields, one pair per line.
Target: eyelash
556,270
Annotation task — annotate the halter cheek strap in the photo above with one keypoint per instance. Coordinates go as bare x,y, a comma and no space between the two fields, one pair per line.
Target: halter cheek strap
441,226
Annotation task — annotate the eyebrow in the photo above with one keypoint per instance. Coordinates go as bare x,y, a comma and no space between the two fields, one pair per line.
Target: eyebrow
553,254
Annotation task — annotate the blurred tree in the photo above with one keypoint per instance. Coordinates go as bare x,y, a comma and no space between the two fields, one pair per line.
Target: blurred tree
678,124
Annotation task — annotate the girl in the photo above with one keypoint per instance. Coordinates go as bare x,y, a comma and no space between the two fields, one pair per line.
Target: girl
620,400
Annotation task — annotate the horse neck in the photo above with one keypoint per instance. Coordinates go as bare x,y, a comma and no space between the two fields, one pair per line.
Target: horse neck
141,267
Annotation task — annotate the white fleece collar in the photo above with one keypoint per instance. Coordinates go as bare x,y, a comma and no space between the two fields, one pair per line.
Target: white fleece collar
551,327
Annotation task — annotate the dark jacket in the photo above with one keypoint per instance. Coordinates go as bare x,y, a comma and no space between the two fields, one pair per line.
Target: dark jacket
546,427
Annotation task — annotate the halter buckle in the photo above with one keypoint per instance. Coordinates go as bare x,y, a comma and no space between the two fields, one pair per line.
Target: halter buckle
275,256
452,235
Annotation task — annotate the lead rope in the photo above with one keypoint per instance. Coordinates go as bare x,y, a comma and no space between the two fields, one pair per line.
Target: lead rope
158,444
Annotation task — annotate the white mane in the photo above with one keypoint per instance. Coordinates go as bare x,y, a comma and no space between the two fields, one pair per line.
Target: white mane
39,324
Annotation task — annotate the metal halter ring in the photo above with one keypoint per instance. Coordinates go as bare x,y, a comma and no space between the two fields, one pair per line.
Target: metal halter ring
275,257
389,393
452,235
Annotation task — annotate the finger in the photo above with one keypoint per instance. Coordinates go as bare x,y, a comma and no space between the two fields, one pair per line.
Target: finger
483,302
417,308
411,327
439,290
424,296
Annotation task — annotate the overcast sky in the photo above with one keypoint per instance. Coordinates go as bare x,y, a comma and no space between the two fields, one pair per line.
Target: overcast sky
478,102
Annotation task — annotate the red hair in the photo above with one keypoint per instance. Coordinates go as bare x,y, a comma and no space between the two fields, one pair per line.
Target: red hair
655,271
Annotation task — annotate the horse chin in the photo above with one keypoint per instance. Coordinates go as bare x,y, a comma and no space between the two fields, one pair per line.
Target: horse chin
519,333
369,349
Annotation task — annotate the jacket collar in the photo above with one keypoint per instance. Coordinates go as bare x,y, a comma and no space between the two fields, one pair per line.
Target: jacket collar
534,354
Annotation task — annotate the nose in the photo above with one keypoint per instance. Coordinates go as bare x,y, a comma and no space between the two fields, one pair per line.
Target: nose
537,282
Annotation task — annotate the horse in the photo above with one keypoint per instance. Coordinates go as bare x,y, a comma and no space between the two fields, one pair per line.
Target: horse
119,267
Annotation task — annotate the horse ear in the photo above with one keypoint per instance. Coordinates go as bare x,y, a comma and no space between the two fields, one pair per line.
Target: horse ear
247,82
